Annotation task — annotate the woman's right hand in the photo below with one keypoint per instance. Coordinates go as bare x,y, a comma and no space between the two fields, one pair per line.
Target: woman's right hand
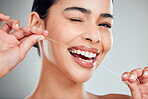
14,46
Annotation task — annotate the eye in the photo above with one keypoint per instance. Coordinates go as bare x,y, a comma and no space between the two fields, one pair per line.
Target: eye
76,20
105,25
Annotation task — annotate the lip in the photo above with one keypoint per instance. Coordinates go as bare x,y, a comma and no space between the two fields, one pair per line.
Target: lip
84,63
85,48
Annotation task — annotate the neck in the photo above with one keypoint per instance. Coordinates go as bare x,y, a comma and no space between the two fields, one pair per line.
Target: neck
54,84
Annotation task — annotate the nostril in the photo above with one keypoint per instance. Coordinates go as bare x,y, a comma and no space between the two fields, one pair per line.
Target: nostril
89,39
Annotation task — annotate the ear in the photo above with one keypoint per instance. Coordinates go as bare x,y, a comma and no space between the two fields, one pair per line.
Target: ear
35,20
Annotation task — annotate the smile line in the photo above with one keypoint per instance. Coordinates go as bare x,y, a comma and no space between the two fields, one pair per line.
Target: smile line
68,46
101,65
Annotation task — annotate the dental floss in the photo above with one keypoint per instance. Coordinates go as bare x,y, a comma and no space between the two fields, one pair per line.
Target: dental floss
68,46
55,41
110,71
101,65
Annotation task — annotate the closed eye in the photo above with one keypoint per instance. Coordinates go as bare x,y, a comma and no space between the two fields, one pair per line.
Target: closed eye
105,25
76,20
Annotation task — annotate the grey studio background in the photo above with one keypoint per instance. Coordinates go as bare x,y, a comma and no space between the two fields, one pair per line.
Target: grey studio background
129,51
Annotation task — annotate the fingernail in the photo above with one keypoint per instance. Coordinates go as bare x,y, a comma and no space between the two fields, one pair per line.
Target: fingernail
125,75
17,25
42,38
132,77
145,73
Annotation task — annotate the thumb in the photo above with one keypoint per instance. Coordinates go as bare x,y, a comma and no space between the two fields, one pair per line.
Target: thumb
135,92
28,43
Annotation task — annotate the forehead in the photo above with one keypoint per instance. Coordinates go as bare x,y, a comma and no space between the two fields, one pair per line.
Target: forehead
96,6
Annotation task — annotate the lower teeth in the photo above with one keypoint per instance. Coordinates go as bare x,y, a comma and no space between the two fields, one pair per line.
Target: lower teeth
85,60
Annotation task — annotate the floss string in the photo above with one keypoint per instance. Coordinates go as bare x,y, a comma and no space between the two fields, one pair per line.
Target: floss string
68,46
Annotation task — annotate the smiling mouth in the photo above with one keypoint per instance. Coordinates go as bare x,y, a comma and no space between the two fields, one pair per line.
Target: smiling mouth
84,56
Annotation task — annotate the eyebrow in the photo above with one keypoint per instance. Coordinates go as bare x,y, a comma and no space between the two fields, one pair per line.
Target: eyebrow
87,11
83,10
107,15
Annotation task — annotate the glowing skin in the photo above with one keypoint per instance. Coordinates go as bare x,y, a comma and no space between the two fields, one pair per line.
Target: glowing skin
73,27
71,33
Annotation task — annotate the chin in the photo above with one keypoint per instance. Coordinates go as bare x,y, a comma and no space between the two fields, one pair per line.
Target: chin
74,67
78,63
82,79
80,76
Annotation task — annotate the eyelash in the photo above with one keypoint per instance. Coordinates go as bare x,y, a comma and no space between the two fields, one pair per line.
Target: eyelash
105,25
102,24
76,20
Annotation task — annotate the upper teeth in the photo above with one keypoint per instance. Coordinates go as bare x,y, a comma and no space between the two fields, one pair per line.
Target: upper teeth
84,53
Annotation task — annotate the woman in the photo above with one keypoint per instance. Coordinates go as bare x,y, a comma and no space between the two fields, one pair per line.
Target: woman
84,27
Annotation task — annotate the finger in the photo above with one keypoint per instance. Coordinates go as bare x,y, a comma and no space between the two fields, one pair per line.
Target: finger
7,39
9,25
144,77
28,43
4,17
27,31
39,31
135,92
128,77
132,86
134,75
125,76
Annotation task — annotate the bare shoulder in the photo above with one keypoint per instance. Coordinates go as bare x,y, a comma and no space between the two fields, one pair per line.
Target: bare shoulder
109,96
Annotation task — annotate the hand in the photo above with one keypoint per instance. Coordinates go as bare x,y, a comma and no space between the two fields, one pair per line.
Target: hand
139,89
14,46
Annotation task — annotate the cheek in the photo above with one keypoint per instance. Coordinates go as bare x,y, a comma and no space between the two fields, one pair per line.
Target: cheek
106,42
63,32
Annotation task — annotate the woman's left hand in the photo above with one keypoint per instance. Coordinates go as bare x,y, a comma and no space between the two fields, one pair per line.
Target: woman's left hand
139,89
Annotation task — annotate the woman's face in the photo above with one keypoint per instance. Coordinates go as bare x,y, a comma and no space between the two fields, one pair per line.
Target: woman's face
84,26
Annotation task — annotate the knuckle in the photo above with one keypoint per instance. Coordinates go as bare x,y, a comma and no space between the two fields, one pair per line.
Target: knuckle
146,68
21,30
5,23
24,27
16,21
139,69
133,71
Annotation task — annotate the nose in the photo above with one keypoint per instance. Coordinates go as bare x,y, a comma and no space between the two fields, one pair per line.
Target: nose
92,35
